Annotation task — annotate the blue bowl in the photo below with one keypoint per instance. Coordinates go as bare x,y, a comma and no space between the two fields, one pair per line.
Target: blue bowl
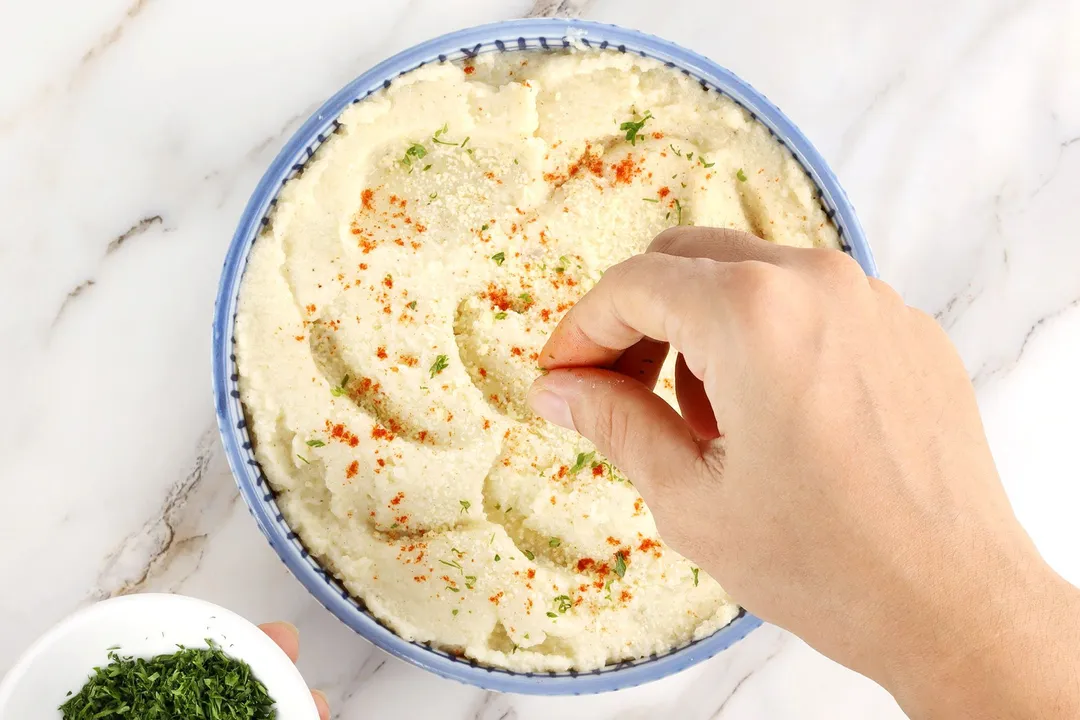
532,34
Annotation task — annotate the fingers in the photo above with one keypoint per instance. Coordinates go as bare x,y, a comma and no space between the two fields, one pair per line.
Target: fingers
285,635
642,361
653,295
722,244
694,403
287,638
641,434
321,704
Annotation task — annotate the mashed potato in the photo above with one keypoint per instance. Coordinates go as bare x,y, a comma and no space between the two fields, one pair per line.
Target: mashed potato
389,324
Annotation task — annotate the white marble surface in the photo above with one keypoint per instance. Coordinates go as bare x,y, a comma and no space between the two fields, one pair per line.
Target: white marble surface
132,132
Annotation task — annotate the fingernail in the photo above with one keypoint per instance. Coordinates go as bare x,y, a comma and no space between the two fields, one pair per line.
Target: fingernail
321,695
286,623
551,407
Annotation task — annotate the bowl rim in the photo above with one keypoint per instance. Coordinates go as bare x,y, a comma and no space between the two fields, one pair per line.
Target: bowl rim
526,34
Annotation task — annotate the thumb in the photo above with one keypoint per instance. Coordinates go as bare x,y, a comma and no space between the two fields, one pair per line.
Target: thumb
633,427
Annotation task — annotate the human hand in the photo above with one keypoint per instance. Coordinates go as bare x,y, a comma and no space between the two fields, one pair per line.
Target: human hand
829,467
288,639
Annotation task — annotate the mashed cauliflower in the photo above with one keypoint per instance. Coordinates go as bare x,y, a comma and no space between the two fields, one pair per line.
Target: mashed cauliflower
388,329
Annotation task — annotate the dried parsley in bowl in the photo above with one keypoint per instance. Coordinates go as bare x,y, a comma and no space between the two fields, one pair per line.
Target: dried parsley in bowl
191,683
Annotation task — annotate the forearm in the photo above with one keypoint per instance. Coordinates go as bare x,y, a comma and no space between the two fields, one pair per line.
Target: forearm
1015,657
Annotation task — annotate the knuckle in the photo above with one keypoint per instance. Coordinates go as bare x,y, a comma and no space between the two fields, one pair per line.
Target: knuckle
833,264
668,239
612,426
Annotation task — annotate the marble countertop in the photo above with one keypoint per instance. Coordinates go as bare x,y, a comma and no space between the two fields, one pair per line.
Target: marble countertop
133,131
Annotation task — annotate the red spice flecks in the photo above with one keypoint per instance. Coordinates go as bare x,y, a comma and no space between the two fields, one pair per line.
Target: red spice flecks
409,360
363,266
310,309
648,544
531,573
663,192
517,351
367,246
380,433
396,500
469,69
399,242
499,297
487,424
420,578
563,470
545,315
603,570
483,372
496,597
613,541
625,595
388,281
639,505
598,470
658,136
380,352
421,436
354,467
402,519
584,564
381,462
366,197
626,170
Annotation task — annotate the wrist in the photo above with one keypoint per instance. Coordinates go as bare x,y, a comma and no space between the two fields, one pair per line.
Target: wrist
1008,647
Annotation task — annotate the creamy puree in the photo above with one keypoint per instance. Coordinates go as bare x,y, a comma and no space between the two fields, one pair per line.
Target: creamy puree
388,329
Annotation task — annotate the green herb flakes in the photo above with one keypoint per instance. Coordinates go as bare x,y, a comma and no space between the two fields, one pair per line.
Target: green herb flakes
465,505
620,564
454,612
695,571
551,614
529,555
583,460
499,258
414,151
497,557
191,683
341,389
412,305
741,175
500,316
441,363
653,200
306,461
554,542
470,581
563,603
315,443
437,136
676,151
678,208
633,127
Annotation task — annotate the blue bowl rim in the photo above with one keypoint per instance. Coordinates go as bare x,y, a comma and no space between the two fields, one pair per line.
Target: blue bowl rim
499,36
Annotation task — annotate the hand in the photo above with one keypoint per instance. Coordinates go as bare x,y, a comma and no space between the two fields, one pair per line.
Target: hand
288,639
829,466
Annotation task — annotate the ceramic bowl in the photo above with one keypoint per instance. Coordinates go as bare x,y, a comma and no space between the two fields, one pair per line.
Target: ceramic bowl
143,626
529,35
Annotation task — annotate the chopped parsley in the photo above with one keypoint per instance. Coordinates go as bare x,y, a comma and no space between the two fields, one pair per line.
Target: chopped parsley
440,132
342,388
705,163
454,564
741,175
457,552
417,151
554,542
620,564
695,571
607,586
306,462
497,557
412,305
583,459
655,200
454,612
465,505
463,142
525,298
484,227
433,195
427,167
470,581
633,127
676,151
189,683
441,363
678,208
500,316
452,588
529,555
315,443
563,603
551,614
690,156
564,262
499,258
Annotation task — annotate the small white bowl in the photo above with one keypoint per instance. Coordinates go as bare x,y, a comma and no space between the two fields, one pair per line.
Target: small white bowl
143,626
